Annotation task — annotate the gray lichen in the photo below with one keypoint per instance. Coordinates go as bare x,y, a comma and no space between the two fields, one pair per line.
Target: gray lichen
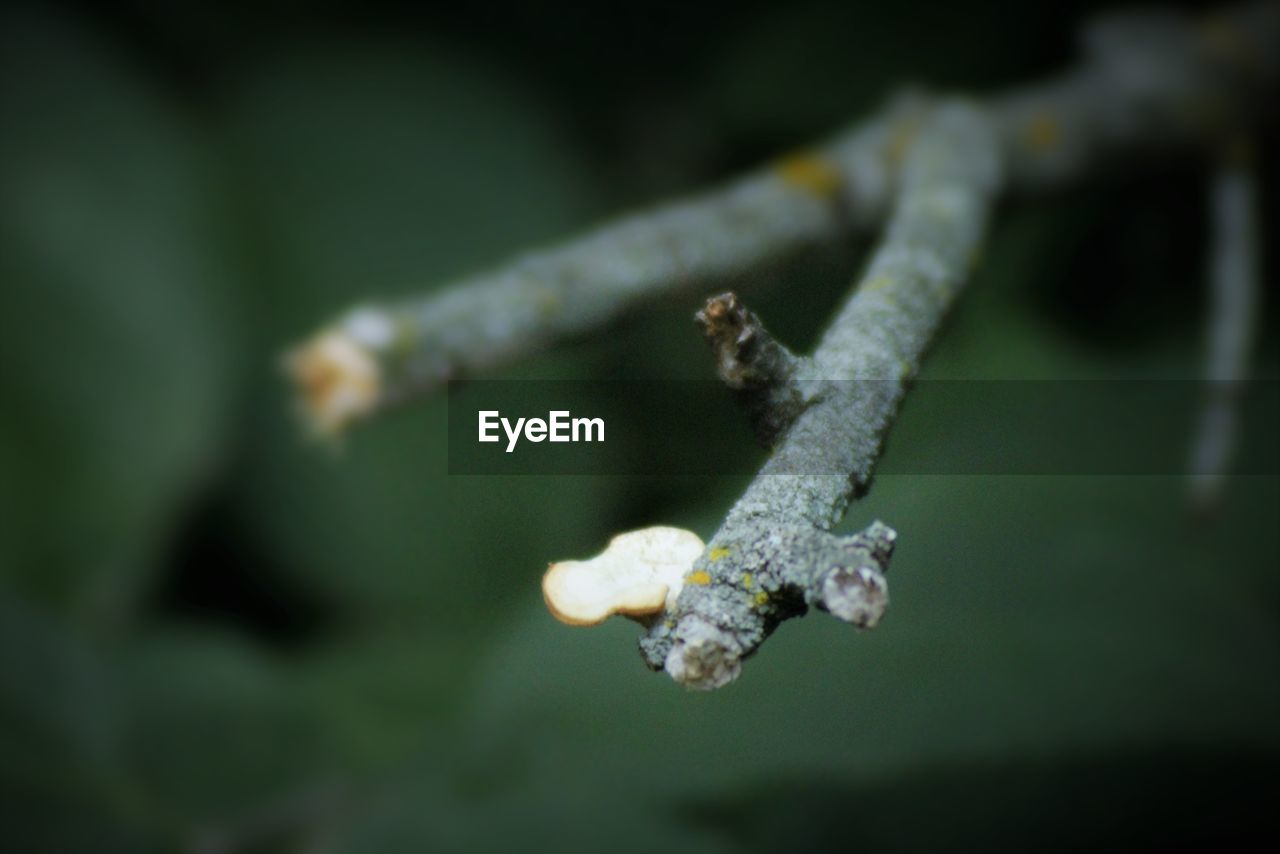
1146,80
774,555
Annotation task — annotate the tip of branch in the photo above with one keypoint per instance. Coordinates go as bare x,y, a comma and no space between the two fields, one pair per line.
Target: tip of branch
747,355
704,656
337,380
879,539
750,361
729,327
855,589
857,595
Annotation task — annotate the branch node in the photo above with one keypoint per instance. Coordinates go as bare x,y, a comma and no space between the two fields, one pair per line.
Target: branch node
879,540
857,595
855,589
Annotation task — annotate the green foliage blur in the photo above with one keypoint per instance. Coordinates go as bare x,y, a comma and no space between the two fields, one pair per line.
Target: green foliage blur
215,636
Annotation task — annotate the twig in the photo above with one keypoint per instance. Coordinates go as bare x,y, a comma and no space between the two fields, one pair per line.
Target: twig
1234,293
774,555
1146,80
413,347
767,378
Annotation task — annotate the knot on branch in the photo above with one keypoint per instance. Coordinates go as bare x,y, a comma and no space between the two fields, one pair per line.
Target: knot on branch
761,372
703,655
855,589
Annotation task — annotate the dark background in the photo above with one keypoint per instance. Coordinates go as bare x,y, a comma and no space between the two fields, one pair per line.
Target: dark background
215,636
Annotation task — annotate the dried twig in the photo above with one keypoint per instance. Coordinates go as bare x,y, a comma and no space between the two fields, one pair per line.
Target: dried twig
1147,80
1234,292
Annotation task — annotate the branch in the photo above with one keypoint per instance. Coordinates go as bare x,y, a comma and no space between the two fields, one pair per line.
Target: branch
774,555
1234,293
1146,80
414,346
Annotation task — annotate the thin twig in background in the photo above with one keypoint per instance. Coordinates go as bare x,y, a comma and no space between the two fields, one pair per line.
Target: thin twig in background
1234,293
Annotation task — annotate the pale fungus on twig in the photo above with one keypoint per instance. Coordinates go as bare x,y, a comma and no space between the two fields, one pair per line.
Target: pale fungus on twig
638,575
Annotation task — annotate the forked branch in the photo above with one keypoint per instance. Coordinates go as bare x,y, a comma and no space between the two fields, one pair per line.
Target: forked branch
774,555
1147,81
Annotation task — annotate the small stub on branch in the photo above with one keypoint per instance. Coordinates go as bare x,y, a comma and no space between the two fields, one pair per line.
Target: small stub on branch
857,595
746,355
857,592
638,575
761,372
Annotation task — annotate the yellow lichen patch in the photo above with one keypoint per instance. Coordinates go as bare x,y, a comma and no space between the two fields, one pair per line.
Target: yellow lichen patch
701,577
879,283
747,580
547,302
1238,151
1042,132
1224,40
403,339
810,172
899,138
718,553
975,257
762,598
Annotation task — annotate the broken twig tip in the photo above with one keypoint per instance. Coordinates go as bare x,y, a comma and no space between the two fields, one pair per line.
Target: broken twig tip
337,380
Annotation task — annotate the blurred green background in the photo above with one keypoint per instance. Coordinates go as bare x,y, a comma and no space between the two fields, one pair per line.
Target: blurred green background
215,637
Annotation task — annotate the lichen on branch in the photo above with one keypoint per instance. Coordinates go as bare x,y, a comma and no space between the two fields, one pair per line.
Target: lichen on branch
774,555
1146,81
768,380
